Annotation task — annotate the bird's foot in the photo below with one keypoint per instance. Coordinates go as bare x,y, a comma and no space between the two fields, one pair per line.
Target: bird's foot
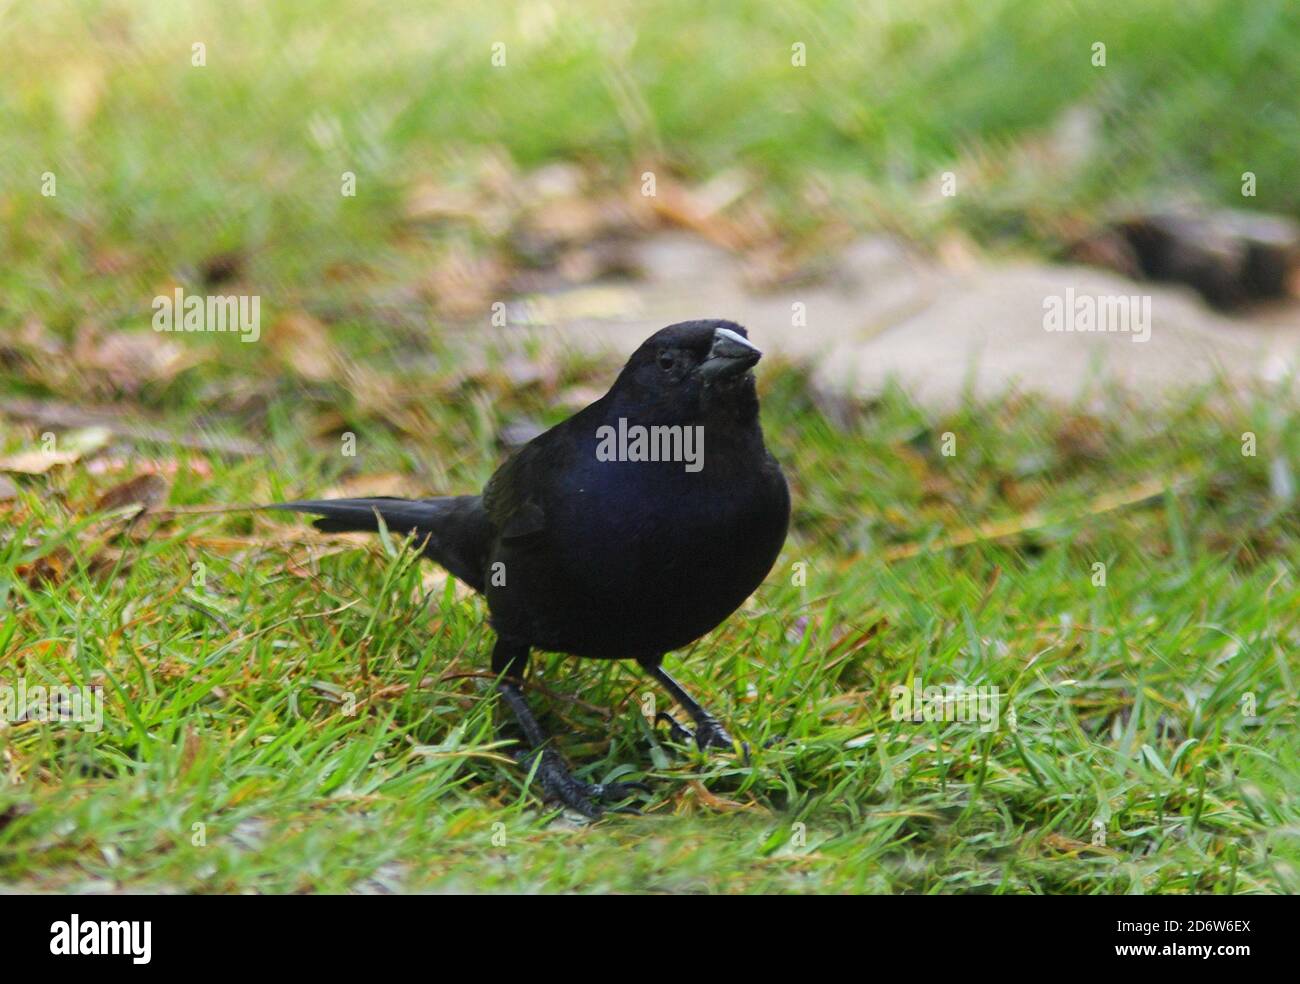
709,732
558,783
676,731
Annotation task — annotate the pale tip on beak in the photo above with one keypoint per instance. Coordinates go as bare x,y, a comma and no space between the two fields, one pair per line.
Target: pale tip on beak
730,354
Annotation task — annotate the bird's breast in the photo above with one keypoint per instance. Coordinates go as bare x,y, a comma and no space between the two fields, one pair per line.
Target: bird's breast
663,556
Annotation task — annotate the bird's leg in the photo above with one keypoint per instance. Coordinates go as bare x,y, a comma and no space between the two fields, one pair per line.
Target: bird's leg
709,732
509,661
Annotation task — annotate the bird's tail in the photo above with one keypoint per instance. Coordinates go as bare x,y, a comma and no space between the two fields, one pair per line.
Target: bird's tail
453,531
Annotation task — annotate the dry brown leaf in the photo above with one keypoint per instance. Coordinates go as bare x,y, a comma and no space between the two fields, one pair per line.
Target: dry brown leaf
565,221
557,180
1068,845
37,462
189,750
47,570
68,448
1034,519
702,210
376,392
1081,436
715,802
130,359
145,491
595,302
107,561
13,811
463,281
369,486
166,467
302,343
430,201
125,423
292,567
852,645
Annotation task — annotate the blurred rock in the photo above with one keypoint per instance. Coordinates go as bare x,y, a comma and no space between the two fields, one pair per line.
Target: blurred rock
885,312
1230,258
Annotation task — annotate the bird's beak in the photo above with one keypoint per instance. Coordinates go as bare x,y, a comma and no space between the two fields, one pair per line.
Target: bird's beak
730,356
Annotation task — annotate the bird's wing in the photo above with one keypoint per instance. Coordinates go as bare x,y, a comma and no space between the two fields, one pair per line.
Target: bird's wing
516,495
510,498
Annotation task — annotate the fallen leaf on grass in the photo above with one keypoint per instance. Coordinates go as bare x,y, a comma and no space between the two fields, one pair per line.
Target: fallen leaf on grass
715,802
515,433
295,569
189,750
851,645
302,343
1068,845
583,303
145,491
372,486
431,202
36,462
1036,519
168,468
47,570
127,425
68,448
558,221
130,359
705,210
462,279
1081,437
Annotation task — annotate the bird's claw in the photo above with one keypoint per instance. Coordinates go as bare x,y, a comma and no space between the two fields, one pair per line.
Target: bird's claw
558,783
709,733
675,730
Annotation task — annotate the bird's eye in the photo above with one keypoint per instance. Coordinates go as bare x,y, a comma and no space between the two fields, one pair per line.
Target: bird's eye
667,360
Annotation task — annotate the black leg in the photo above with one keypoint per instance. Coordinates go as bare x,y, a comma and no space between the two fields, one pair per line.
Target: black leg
709,732
509,661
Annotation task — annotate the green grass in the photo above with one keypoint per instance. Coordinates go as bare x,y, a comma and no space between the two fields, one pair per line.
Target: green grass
167,163
227,703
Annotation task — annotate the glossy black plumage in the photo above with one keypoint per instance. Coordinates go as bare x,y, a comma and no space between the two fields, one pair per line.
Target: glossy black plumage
614,559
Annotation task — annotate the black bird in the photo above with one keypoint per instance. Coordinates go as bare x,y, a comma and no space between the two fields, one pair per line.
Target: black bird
627,531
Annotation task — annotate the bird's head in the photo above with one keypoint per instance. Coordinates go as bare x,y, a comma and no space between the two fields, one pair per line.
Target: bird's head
692,370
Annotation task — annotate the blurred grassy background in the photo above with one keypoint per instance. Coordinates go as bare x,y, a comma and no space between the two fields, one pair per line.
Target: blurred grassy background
172,163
